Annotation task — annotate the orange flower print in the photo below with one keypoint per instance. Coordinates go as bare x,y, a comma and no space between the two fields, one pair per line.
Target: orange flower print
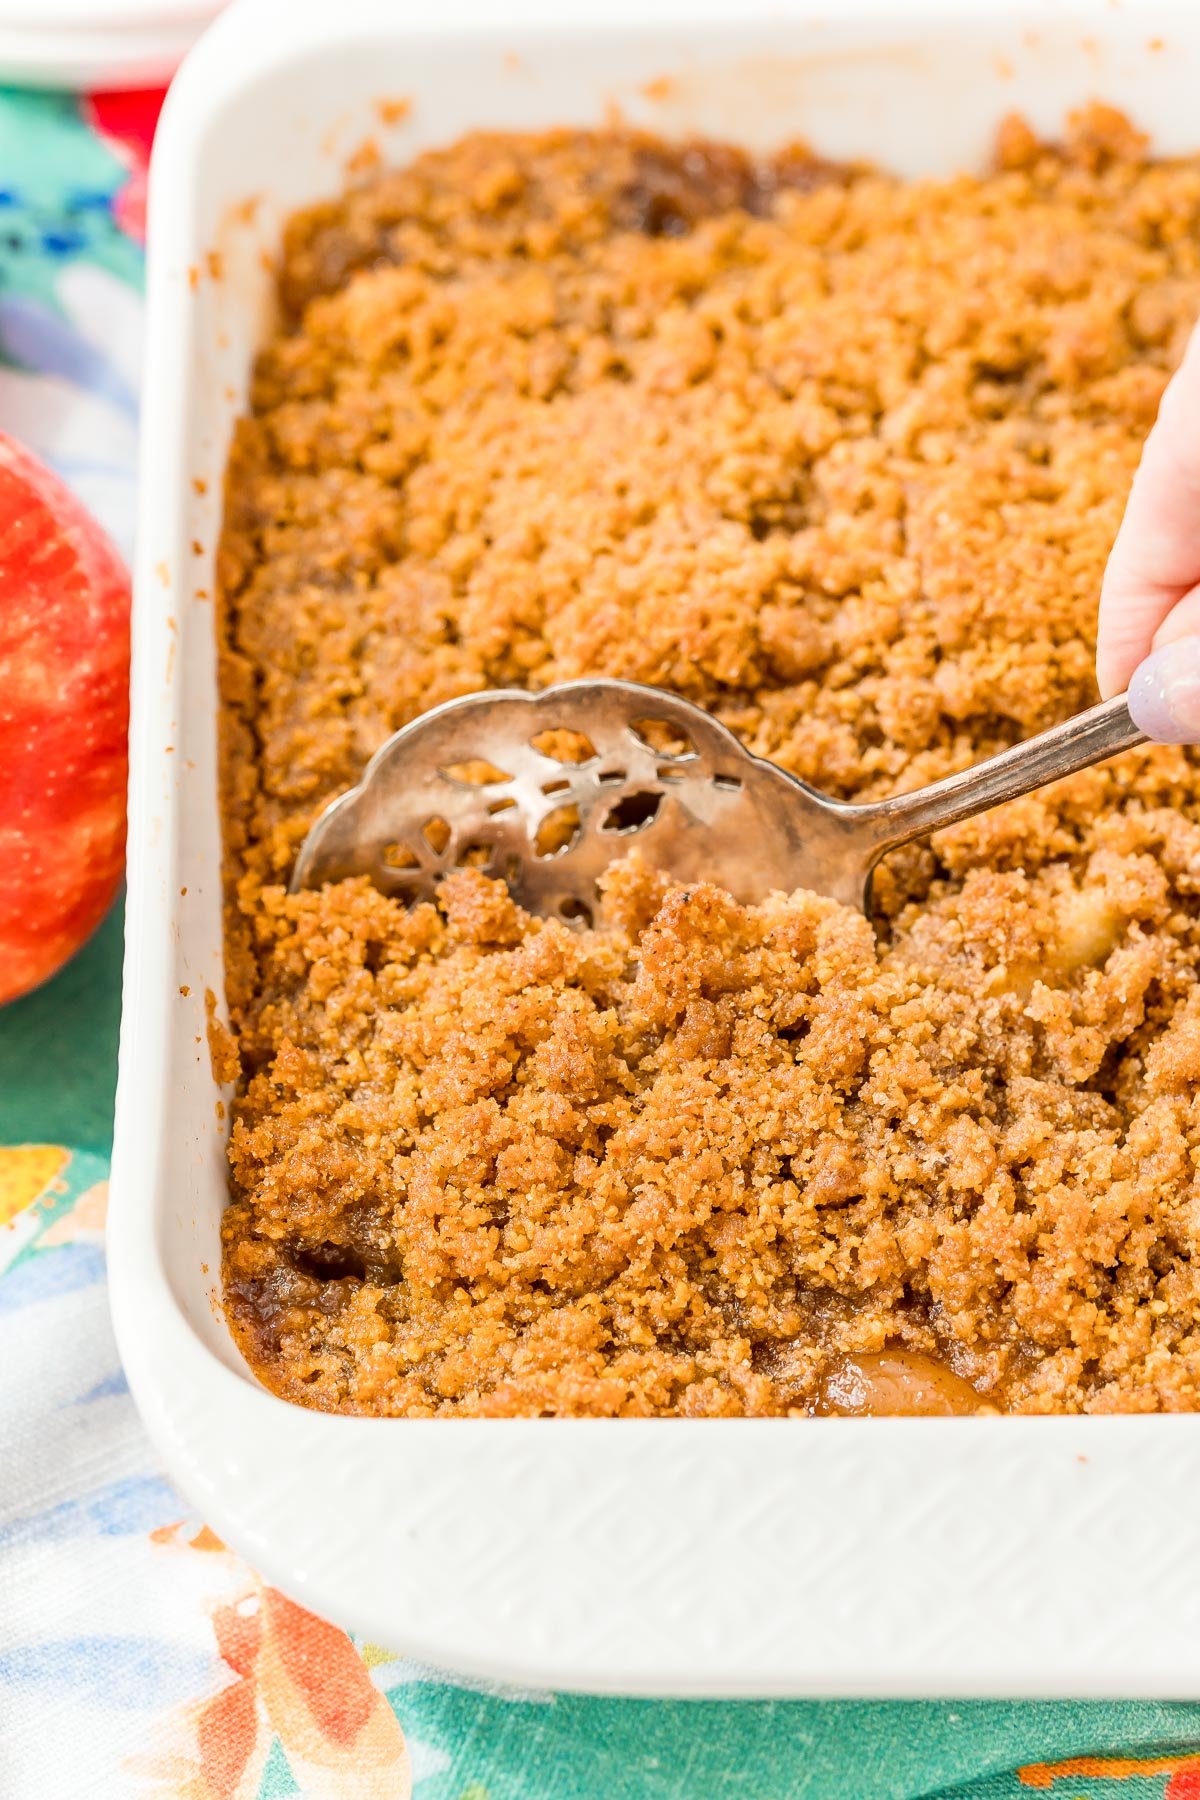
217,1748
292,1677
1184,1772
26,1171
31,1184
341,1738
230,1742
85,1219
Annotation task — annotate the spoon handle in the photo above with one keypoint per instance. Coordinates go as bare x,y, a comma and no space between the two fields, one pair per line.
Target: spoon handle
1089,737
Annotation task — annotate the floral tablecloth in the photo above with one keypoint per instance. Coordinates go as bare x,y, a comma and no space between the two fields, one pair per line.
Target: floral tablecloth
139,1656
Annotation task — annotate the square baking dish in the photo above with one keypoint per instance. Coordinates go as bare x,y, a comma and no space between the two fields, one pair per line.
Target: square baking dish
896,1556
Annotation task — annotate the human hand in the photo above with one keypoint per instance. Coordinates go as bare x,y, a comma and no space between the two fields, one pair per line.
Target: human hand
1149,635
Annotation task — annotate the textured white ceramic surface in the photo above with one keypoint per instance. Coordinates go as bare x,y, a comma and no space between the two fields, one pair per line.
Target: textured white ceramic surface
885,1557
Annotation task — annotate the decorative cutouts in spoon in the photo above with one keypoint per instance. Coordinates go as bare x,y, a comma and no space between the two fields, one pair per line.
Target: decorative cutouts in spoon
547,789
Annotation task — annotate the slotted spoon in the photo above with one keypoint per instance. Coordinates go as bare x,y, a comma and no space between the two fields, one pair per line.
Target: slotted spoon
546,789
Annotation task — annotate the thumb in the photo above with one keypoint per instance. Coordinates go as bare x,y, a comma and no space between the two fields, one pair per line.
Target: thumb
1164,690
1155,562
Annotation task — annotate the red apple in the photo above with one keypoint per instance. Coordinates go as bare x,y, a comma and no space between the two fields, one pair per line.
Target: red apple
64,712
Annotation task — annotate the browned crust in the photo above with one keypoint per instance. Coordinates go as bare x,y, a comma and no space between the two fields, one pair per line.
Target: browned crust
841,459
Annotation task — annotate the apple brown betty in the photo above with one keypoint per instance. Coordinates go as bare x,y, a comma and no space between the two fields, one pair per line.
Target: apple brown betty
840,458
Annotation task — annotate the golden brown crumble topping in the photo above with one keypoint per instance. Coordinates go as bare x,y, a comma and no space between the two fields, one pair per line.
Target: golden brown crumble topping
839,457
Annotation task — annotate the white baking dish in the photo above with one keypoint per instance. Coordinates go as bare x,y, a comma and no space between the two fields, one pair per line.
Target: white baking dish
998,1556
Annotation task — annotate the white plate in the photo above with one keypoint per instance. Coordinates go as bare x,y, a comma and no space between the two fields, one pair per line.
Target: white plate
98,43
1007,1556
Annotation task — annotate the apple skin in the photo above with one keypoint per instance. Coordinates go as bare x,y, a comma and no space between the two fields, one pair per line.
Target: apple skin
64,716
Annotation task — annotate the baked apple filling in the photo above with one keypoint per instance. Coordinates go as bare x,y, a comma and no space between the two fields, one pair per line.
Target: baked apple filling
840,458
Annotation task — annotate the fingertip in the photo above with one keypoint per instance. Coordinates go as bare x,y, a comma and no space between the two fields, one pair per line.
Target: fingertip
1164,693
1150,597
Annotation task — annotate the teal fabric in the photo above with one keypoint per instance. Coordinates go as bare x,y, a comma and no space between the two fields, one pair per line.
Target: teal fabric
590,1749
58,1051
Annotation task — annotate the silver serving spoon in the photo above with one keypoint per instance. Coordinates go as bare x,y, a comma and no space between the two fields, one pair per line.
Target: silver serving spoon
547,789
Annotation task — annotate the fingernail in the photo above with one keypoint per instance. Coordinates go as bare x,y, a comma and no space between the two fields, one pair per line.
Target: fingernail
1164,694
